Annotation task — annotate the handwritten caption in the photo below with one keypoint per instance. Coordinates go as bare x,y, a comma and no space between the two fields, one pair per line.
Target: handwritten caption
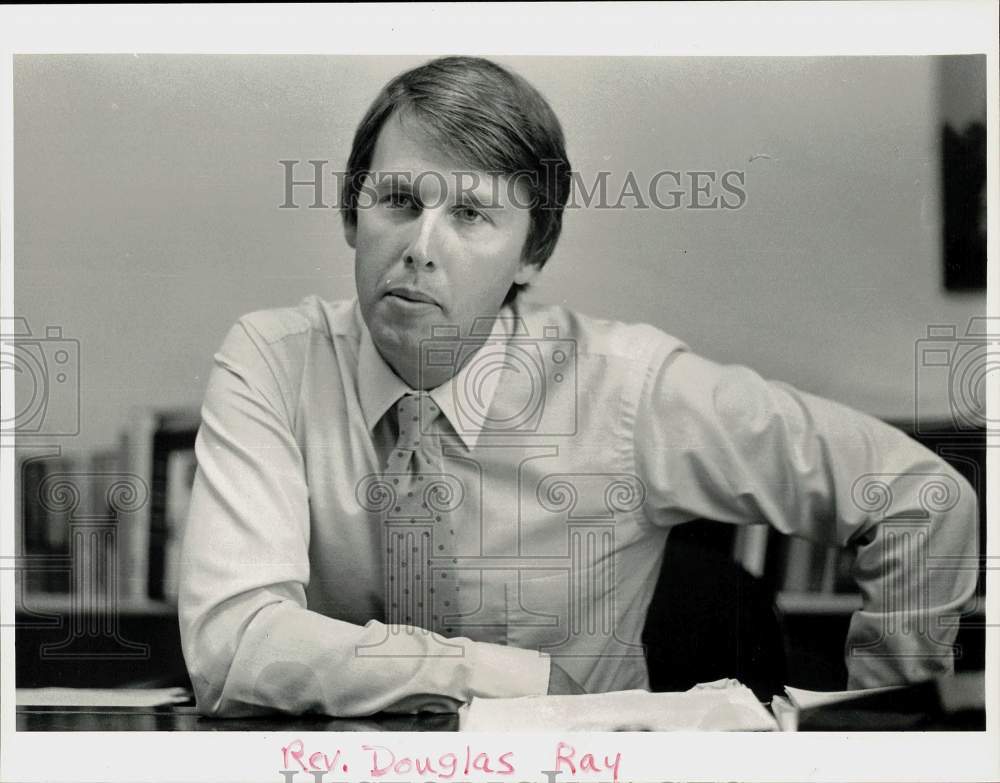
311,765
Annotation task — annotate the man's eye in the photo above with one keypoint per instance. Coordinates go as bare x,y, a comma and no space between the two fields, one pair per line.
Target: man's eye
398,200
469,215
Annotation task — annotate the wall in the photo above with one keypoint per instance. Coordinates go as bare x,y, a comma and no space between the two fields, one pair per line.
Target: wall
147,192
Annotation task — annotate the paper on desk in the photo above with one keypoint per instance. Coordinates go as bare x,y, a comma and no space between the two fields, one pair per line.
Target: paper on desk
100,697
804,700
733,708
785,713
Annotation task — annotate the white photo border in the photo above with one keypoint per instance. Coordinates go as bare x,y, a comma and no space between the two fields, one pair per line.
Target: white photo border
737,29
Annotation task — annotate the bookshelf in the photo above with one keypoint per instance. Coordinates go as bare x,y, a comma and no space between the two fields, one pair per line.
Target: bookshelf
116,515
817,603
63,603
100,533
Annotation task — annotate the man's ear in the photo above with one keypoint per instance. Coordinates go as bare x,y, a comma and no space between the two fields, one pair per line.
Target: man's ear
526,273
351,234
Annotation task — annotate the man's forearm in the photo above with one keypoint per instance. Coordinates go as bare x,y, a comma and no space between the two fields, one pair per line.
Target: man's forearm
917,574
246,658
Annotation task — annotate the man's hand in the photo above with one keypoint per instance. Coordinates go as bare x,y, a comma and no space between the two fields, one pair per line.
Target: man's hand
561,683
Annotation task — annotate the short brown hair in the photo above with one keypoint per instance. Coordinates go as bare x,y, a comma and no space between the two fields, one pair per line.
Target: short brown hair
490,119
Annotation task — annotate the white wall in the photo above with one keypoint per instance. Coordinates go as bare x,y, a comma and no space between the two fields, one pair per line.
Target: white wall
147,187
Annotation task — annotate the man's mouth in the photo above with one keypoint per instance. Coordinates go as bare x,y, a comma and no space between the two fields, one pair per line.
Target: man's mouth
414,295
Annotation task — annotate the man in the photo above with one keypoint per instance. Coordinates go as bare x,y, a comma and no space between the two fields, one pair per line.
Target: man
438,492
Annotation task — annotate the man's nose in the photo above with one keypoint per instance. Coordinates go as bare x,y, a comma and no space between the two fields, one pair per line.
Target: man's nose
422,250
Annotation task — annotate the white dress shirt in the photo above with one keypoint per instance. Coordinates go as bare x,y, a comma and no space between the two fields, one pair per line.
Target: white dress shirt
569,447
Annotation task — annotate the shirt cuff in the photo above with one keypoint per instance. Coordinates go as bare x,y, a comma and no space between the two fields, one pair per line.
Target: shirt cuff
504,672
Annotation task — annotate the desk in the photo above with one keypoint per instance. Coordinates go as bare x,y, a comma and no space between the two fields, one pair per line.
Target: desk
182,718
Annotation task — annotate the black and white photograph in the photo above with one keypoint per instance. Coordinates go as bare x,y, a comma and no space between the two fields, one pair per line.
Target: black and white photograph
457,409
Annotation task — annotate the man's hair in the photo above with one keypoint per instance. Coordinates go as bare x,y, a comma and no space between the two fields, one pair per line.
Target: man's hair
489,119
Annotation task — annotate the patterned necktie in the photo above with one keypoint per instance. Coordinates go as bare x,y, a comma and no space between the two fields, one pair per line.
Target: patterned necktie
415,415
420,591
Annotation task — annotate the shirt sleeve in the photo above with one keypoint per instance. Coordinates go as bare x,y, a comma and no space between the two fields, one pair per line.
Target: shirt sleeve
250,642
722,443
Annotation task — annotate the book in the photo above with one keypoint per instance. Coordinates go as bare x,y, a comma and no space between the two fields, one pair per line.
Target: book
828,572
750,548
45,532
948,702
181,466
799,565
175,432
33,522
804,699
133,527
843,578
149,439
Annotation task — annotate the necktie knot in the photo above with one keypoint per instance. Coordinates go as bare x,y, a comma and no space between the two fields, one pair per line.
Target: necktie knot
415,415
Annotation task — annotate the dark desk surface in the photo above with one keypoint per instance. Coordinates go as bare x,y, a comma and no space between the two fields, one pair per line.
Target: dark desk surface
953,703
178,718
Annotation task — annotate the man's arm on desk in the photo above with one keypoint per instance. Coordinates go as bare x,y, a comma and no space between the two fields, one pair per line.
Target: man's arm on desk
250,642
722,443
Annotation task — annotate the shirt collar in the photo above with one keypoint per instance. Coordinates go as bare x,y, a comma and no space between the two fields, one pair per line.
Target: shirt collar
378,386
464,399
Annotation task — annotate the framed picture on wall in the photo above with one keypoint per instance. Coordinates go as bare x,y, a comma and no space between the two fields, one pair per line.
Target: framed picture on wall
963,171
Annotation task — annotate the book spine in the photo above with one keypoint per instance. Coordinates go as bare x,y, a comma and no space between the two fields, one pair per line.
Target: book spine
34,523
798,566
171,473
133,527
828,579
843,578
181,467
157,518
751,548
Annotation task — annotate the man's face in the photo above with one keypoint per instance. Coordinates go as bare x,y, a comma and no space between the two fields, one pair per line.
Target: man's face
434,249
